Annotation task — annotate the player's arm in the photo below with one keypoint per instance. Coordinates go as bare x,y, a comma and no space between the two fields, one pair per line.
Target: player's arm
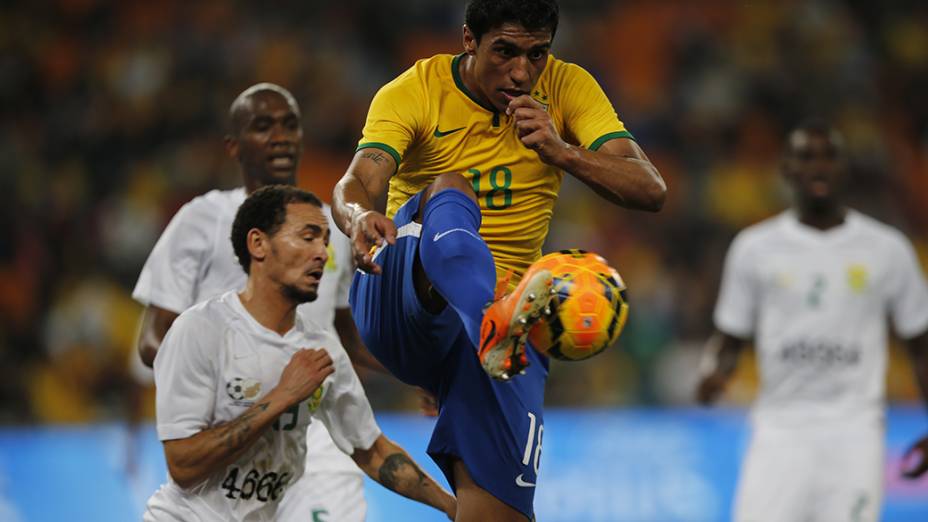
193,459
618,170
916,457
908,310
393,468
351,340
353,206
167,284
719,363
155,324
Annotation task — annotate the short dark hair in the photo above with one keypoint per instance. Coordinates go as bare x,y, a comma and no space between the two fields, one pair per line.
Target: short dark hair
819,126
266,210
534,15
241,108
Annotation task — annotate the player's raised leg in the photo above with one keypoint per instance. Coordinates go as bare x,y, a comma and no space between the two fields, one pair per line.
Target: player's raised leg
456,262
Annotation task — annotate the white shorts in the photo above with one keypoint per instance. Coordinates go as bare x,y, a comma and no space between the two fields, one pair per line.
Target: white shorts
812,474
324,497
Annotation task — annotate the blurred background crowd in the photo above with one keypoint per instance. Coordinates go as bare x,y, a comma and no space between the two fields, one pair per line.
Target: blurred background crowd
112,116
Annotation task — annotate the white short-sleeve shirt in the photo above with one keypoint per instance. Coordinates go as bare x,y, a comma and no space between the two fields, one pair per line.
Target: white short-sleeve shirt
816,303
216,362
193,260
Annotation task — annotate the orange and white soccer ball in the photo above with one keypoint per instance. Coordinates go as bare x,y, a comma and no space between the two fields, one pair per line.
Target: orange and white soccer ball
589,307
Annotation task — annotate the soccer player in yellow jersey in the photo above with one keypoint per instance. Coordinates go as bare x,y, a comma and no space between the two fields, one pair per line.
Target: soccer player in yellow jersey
470,151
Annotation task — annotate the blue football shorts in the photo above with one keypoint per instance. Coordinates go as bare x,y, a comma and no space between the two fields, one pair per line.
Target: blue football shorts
495,428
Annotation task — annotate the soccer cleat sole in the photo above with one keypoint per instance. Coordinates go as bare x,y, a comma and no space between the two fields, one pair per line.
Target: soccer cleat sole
508,357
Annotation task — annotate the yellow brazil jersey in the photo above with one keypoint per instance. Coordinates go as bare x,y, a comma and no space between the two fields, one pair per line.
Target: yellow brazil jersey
431,124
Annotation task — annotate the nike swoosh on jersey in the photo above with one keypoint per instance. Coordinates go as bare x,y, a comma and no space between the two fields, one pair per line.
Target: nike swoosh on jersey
439,235
442,134
522,483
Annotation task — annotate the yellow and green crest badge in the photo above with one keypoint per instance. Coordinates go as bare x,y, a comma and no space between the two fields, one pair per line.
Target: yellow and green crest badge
315,400
331,264
541,98
857,278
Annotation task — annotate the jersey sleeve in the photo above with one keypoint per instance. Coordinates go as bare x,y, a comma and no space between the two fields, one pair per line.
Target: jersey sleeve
185,379
396,116
736,309
588,114
908,298
169,277
345,409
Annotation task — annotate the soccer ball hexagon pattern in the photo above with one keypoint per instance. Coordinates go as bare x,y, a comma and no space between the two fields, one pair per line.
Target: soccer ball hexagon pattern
588,311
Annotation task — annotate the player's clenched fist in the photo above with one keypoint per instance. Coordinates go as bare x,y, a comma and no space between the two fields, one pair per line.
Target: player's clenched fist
304,374
369,229
535,128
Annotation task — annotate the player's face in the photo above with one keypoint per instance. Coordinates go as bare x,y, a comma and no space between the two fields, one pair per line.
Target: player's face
814,167
269,145
298,252
508,61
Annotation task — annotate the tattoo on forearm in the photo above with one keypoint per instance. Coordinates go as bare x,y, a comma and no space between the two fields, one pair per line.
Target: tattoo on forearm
235,433
374,156
401,474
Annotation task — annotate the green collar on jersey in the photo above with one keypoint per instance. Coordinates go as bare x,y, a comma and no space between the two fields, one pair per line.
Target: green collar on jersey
459,82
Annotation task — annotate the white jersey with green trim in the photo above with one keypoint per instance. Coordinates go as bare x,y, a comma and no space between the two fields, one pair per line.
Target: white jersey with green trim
193,260
215,363
817,303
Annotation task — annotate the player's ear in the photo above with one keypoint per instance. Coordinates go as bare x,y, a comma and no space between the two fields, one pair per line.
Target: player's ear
231,144
258,245
470,43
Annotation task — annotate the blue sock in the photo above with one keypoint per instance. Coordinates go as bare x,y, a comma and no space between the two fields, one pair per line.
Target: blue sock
456,259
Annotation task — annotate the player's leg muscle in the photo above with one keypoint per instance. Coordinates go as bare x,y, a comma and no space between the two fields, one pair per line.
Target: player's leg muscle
431,300
476,504
455,258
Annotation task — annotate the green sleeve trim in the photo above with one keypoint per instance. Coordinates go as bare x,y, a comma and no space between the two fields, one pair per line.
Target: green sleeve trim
611,136
384,147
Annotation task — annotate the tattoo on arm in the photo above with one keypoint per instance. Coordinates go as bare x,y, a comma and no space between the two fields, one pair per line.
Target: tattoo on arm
374,156
401,474
235,433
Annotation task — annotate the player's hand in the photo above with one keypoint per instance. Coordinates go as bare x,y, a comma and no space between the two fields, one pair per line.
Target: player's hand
536,130
428,404
304,374
370,229
915,460
710,388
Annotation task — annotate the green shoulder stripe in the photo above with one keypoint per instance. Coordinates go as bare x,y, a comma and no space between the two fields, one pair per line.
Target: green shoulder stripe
384,147
611,136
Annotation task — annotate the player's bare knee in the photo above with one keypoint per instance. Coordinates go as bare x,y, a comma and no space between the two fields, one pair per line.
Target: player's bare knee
452,180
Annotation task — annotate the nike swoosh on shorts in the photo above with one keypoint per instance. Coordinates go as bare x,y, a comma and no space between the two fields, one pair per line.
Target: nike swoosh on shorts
439,235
